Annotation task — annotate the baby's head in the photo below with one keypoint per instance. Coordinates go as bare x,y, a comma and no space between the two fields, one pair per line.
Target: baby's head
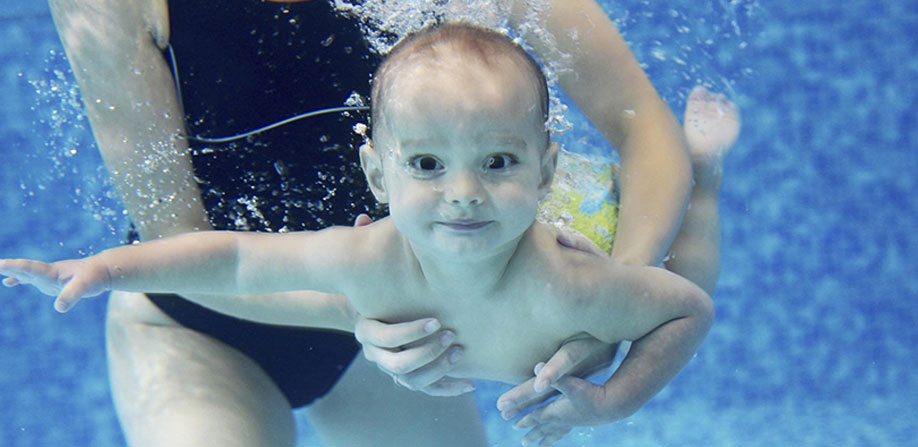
455,46
460,150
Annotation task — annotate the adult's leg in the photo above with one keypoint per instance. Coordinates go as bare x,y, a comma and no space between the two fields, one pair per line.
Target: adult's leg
712,125
174,387
366,408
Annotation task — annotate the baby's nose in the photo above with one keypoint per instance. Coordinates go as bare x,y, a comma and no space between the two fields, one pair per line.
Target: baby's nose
464,189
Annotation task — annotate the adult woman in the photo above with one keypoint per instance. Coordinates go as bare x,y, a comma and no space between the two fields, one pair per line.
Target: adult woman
183,375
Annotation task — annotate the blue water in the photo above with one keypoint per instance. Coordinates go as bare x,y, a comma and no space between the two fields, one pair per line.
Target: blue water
818,300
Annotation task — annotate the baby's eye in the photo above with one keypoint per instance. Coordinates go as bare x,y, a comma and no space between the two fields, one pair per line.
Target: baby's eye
500,161
426,164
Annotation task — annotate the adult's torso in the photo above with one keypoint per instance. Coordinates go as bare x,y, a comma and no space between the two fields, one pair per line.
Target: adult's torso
247,63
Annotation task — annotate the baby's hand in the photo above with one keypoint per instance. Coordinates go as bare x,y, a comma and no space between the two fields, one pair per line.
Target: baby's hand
69,281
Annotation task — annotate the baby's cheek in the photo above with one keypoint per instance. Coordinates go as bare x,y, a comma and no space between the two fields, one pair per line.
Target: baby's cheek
412,200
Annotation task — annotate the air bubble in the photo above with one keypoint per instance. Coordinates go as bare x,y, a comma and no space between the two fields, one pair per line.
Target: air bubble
355,100
280,168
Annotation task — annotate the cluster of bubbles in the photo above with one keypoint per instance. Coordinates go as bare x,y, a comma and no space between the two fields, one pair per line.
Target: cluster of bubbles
68,157
387,22
678,47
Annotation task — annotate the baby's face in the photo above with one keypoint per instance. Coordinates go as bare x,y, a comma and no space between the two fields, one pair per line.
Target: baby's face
464,156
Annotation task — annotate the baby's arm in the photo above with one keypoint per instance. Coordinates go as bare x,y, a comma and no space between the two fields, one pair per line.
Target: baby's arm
207,263
304,308
666,317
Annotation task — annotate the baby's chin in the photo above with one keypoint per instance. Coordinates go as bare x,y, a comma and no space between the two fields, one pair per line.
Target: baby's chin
470,245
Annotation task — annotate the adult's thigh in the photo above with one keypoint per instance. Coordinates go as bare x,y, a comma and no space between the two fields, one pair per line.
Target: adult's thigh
365,408
175,387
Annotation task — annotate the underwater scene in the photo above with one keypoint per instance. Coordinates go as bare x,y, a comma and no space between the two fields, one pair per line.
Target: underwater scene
815,340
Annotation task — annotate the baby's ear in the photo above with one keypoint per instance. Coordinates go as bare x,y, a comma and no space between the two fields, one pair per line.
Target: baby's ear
372,169
549,163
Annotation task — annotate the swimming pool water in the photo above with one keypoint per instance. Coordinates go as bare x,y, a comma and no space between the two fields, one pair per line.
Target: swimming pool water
815,342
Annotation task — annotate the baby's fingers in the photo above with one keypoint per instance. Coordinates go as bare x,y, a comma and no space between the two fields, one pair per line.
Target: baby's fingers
73,292
25,271
21,267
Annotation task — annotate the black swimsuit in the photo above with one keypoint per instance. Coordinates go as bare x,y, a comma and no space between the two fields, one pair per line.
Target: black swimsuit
244,64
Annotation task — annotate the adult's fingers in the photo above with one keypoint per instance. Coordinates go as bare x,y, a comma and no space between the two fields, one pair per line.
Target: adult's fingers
583,355
448,387
362,220
576,407
577,356
545,435
394,335
420,357
554,435
423,377
398,362
578,241
521,397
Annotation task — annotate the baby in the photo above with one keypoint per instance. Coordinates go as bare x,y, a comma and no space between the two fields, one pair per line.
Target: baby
461,155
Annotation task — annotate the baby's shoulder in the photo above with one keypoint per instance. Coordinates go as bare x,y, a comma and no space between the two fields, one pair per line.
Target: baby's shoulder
379,252
376,245
559,269
562,251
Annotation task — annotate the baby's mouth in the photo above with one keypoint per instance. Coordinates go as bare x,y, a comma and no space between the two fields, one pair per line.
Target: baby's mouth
465,225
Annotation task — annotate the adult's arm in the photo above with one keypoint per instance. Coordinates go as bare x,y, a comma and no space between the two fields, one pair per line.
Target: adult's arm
600,73
115,50
602,76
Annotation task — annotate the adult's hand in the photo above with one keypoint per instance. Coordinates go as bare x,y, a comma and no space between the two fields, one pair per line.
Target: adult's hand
582,404
417,354
577,241
578,403
580,357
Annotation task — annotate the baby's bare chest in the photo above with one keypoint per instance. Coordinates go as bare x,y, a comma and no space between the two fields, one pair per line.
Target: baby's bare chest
503,345
503,335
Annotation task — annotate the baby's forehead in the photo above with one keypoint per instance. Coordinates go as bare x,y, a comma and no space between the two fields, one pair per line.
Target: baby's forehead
453,78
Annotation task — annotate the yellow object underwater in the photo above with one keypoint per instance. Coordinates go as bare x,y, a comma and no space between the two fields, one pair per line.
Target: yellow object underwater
583,198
